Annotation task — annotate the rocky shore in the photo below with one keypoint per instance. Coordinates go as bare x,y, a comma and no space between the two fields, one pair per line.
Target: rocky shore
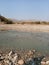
23,57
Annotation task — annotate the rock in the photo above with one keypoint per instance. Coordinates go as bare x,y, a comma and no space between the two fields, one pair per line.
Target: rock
29,59
30,53
29,62
34,61
8,57
10,53
47,62
43,62
0,64
8,62
20,62
0,55
34,51
1,58
15,58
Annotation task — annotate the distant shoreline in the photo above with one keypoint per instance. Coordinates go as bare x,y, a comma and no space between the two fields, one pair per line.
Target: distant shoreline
25,27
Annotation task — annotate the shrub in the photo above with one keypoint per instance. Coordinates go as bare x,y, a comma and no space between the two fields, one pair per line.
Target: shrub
5,20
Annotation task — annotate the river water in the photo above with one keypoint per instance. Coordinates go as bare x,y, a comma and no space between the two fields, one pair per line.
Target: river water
25,40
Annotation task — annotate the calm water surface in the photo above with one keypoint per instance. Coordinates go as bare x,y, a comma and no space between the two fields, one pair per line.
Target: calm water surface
25,40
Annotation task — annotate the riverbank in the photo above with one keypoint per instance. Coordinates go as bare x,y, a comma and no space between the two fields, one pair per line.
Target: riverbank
25,27
23,57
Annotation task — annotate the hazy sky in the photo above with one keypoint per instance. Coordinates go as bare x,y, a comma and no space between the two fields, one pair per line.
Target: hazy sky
25,9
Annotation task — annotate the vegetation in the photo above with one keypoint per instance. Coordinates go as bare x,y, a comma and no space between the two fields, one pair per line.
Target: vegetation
36,22
8,21
5,20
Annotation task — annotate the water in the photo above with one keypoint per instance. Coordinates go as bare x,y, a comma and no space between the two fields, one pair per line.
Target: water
25,40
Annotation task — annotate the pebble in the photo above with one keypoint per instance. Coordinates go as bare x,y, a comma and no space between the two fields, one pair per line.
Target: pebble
15,58
30,53
47,62
10,53
34,50
1,58
20,62
0,64
25,59
6,61
43,62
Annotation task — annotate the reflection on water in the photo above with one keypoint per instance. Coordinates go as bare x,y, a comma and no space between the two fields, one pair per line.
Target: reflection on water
26,40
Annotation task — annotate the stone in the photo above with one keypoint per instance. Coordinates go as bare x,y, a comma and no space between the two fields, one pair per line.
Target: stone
29,62
10,53
9,57
0,64
30,53
20,62
15,58
47,62
34,50
0,55
1,58
8,62
43,62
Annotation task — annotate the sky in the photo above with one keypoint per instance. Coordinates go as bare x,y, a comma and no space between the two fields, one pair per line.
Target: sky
25,9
